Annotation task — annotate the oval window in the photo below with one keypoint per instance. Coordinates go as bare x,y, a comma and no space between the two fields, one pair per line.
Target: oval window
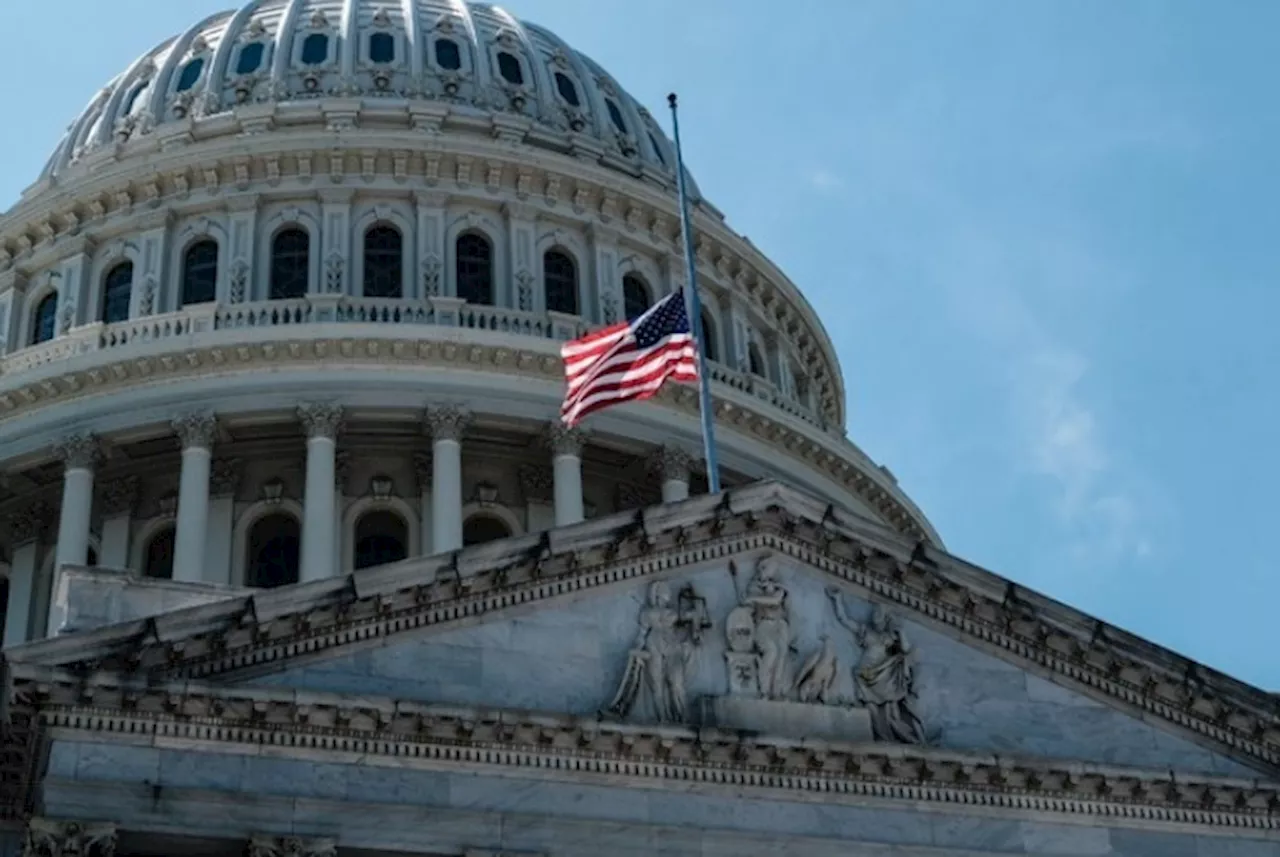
250,58
448,57
568,91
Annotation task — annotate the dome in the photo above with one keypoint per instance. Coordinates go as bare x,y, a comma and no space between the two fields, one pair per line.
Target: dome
443,61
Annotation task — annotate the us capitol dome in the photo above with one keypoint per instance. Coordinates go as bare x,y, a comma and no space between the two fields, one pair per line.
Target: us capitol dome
299,559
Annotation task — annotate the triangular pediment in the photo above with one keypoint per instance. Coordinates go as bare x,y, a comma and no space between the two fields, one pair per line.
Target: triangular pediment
554,624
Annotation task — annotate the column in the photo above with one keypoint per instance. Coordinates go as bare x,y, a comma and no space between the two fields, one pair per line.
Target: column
525,295
537,485
235,284
431,252
224,480
447,425
25,527
118,500
566,468
335,239
148,278
606,284
12,305
196,431
78,453
672,466
321,422
422,471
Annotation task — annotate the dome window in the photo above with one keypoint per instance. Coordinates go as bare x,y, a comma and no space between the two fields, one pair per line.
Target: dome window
274,551
200,273
190,75
510,69
132,100
383,262
708,343
381,537
290,264
560,280
568,89
657,150
44,321
250,59
474,268
315,49
448,57
158,560
755,360
382,48
116,291
635,296
615,115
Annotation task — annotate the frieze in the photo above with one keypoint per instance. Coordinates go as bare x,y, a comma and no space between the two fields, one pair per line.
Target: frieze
290,846
57,838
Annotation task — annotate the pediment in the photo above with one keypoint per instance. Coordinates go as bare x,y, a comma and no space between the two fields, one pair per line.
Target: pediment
572,624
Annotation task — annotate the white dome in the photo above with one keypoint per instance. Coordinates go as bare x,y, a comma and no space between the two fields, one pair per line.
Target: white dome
472,61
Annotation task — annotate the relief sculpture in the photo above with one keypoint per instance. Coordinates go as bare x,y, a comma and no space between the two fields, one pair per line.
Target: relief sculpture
659,662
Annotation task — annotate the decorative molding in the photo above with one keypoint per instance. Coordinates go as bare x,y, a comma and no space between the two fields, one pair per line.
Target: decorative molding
30,523
290,846
119,497
56,838
448,422
670,463
564,440
320,419
78,451
537,483
196,430
423,470
224,477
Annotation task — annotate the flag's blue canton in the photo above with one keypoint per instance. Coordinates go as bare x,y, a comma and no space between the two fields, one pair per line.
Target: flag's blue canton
666,318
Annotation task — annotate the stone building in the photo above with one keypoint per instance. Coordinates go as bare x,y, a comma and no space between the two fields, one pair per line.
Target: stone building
298,560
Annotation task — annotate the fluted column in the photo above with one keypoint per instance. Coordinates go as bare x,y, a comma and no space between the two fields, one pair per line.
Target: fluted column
673,466
196,431
566,468
321,422
422,473
118,500
25,529
79,454
447,425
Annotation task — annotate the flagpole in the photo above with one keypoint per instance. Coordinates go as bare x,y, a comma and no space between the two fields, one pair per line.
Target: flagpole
693,306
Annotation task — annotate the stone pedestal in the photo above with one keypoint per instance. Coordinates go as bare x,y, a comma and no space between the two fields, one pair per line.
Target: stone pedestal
787,719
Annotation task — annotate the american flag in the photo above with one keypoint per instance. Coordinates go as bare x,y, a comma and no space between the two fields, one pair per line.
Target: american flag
629,361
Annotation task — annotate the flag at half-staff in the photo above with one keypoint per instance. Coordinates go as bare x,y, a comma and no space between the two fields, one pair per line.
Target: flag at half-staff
629,361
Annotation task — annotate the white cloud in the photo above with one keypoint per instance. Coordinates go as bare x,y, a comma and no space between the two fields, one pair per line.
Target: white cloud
824,180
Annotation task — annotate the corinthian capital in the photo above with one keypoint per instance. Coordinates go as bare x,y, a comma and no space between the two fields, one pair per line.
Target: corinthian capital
448,422
49,838
29,522
564,440
119,496
78,451
672,463
196,430
320,419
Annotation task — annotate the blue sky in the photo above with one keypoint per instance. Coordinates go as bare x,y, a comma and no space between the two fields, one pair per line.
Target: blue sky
1045,237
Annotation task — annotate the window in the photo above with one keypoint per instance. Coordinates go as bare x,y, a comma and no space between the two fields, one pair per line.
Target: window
635,296
290,264
560,279
474,268
568,89
509,68
200,273
708,337
448,57
381,537
158,560
44,321
479,529
382,48
383,262
315,49
250,58
274,550
616,116
190,75
755,362
115,293
132,100
657,150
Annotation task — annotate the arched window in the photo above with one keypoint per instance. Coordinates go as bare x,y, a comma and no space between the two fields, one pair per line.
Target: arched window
315,49
448,57
200,273
116,289
158,560
381,537
482,528
560,279
510,69
290,264
383,262
190,74
615,115
250,58
635,296
474,267
274,550
44,321
133,98
755,361
382,48
708,337
568,89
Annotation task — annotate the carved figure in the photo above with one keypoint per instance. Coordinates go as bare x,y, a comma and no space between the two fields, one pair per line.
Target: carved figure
818,674
884,678
660,659
767,598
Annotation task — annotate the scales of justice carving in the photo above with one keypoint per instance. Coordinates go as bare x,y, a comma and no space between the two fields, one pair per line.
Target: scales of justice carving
767,691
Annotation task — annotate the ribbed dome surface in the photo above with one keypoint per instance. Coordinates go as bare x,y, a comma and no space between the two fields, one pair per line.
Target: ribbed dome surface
476,59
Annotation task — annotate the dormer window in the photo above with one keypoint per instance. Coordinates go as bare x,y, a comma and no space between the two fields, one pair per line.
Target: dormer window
567,89
382,48
315,49
615,115
510,69
250,59
190,75
448,57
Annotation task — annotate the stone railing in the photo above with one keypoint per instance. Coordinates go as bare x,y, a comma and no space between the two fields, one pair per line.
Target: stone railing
179,327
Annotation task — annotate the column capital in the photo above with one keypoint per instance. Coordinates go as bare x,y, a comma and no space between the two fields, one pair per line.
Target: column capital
291,846
320,419
448,422
671,463
119,496
564,440
78,451
224,477
536,483
196,429
29,522
57,837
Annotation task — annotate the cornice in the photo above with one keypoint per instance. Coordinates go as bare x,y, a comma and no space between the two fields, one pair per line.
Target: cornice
244,637
550,746
109,200
839,460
